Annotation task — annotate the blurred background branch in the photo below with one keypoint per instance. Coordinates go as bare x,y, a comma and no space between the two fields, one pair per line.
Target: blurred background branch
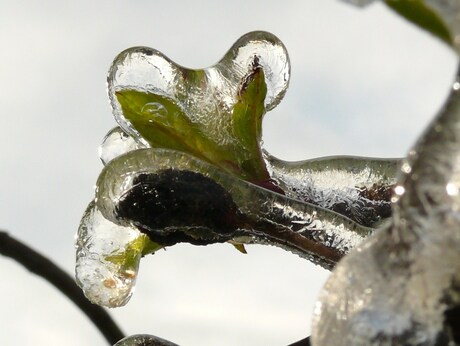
42,266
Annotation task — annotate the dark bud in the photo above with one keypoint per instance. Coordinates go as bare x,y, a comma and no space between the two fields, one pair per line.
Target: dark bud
174,206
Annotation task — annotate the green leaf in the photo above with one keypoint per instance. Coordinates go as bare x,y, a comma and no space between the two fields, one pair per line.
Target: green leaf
163,124
417,12
239,246
247,123
129,258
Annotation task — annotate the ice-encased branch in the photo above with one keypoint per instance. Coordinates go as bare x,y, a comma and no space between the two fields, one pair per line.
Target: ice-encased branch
173,197
402,285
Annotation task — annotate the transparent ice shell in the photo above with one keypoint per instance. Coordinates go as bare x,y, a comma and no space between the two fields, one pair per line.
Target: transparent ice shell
402,285
299,227
207,96
327,205
359,188
107,259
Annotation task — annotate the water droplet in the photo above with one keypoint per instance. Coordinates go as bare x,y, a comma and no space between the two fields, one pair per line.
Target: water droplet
116,143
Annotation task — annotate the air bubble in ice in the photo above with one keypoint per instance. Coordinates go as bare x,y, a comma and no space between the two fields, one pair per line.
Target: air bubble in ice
155,108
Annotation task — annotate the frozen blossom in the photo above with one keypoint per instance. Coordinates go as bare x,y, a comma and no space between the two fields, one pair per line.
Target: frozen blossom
186,165
206,96
184,109
173,170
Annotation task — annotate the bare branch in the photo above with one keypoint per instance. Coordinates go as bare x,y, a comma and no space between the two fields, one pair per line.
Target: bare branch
42,266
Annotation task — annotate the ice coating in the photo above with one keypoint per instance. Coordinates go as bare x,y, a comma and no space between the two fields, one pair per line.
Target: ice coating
116,143
402,285
357,187
107,259
206,96
144,340
251,213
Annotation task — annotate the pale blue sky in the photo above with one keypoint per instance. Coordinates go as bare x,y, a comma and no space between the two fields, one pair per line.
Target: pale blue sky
363,83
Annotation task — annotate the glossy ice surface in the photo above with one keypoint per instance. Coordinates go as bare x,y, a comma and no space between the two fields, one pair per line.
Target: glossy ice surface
173,170
206,96
399,285
199,111
258,211
359,188
107,259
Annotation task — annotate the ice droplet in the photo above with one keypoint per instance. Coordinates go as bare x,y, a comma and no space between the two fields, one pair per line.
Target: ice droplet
116,143
206,96
107,259
144,340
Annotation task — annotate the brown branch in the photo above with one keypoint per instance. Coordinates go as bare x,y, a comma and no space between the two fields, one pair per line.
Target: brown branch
42,266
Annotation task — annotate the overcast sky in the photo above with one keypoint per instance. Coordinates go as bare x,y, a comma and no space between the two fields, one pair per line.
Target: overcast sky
363,83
